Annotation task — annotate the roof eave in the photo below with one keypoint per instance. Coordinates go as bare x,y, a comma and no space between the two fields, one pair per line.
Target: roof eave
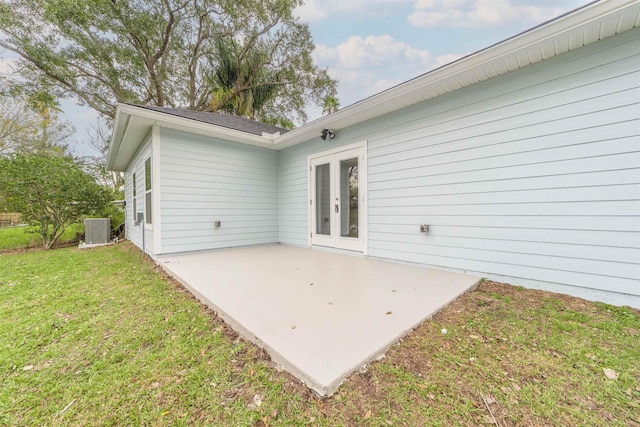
145,118
116,139
529,40
493,61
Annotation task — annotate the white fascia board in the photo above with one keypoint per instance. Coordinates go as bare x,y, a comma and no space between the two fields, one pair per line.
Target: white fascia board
526,41
380,104
119,128
128,116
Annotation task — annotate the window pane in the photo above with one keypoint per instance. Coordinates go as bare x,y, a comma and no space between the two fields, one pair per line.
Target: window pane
147,174
147,207
349,198
323,200
134,185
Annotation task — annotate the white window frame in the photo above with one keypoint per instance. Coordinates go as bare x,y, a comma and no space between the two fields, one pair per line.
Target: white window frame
134,202
148,207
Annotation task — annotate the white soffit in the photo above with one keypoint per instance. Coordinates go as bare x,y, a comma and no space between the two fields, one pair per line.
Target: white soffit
589,24
584,26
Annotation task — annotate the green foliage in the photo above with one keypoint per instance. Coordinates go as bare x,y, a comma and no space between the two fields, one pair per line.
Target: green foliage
278,121
101,337
251,56
29,122
52,192
330,104
243,86
16,238
112,211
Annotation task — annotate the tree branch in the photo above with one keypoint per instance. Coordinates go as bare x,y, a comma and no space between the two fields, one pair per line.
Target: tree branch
58,79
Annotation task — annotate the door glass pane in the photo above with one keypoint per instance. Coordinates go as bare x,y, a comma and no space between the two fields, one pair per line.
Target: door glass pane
349,198
323,200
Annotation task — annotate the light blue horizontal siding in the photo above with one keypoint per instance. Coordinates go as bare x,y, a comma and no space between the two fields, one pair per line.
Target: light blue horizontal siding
294,191
532,177
205,180
134,232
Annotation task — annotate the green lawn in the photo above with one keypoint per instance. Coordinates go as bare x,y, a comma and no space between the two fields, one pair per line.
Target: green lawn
12,238
102,337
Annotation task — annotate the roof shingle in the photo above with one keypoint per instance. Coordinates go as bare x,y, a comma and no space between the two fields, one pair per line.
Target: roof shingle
241,124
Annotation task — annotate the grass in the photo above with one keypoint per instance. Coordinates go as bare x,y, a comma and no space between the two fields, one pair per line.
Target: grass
12,238
102,337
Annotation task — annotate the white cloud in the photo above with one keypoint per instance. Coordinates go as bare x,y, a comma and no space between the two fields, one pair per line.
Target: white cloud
368,65
477,13
383,84
310,11
446,59
372,51
315,10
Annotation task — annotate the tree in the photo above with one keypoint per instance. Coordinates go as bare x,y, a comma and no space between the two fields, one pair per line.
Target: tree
330,104
166,53
17,126
242,87
30,123
51,191
96,165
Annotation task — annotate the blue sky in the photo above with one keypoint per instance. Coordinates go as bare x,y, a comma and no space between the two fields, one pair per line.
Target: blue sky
371,45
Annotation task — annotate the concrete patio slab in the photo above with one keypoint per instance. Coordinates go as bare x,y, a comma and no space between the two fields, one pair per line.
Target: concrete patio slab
320,315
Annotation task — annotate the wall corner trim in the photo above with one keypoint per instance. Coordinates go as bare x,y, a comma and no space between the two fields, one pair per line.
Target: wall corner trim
157,190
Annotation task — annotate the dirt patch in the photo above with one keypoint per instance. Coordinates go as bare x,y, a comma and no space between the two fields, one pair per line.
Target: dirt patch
38,248
482,367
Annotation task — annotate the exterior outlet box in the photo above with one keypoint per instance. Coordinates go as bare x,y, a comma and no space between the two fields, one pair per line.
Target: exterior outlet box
97,231
424,228
217,224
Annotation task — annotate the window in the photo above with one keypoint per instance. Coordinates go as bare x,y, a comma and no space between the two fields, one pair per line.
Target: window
147,191
135,200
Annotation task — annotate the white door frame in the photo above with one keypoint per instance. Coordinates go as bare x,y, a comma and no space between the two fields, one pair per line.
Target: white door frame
363,217
315,238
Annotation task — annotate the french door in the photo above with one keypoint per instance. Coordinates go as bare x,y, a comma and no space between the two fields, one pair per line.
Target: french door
337,200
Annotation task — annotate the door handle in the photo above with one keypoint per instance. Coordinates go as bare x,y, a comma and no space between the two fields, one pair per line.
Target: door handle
336,208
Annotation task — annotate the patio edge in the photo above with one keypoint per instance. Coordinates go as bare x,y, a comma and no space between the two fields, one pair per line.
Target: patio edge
276,357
